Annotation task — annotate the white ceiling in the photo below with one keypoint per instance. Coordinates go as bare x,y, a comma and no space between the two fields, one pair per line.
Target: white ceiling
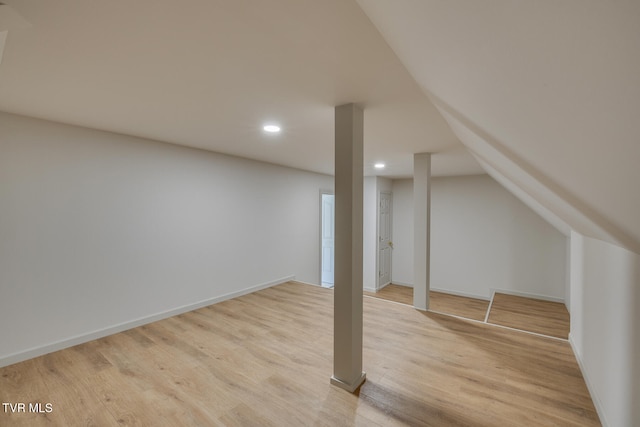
547,93
208,74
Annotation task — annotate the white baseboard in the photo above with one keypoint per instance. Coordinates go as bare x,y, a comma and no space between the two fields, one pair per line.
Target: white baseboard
368,289
294,280
325,287
90,336
527,295
460,294
385,285
408,285
446,291
594,396
493,290
346,386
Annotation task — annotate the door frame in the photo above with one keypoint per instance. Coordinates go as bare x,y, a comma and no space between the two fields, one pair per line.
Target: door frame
378,198
330,193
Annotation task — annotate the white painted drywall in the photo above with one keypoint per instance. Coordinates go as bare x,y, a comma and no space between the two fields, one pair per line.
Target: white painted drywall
402,261
99,229
567,275
369,221
552,90
483,238
385,185
605,314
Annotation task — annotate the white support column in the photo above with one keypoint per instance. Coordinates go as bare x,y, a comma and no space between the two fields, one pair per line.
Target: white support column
347,295
421,229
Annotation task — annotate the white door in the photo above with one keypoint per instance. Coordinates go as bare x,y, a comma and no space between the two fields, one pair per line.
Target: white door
385,245
328,236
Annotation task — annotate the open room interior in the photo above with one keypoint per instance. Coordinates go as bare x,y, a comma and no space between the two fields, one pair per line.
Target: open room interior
264,358
182,197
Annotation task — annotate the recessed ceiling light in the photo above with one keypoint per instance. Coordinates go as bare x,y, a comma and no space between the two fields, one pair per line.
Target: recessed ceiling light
271,128
379,166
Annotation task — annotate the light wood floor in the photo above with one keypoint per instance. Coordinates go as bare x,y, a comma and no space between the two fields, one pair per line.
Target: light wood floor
526,314
396,293
542,317
266,358
471,308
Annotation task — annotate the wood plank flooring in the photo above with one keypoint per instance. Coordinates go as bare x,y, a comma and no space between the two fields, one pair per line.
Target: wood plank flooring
542,317
471,308
396,293
266,359
526,314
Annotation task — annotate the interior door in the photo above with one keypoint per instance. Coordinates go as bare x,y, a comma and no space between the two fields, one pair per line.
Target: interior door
385,245
328,237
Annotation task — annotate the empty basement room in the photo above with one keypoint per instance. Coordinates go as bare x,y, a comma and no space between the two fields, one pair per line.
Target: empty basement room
165,257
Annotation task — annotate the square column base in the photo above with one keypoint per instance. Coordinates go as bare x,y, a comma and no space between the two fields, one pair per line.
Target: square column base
349,387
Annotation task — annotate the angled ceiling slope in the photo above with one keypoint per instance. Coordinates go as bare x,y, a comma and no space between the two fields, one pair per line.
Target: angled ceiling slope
208,74
547,94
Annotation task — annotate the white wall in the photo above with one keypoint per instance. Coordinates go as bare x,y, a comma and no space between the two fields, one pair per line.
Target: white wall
383,185
482,238
567,134
370,206
99,229
605,314
402,229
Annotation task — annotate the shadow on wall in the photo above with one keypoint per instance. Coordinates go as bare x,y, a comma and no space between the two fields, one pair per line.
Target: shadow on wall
529,249
499,241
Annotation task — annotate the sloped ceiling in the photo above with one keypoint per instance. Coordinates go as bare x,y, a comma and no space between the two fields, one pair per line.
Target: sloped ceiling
208,74
547,94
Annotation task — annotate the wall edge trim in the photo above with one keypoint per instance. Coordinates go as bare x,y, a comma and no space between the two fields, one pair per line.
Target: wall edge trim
594,396
408,285
33,352
446,291
460,294
527,295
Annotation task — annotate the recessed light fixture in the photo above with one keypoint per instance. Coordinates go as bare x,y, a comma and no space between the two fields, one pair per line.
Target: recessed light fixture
379,166
271,128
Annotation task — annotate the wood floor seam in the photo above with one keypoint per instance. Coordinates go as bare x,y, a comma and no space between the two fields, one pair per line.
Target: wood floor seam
389,301
266,358
486,317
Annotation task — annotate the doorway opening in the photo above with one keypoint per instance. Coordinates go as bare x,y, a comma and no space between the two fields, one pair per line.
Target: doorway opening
327,239
385,245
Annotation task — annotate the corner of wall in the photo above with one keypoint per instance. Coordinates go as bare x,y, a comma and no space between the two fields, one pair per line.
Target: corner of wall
605,312
594,396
